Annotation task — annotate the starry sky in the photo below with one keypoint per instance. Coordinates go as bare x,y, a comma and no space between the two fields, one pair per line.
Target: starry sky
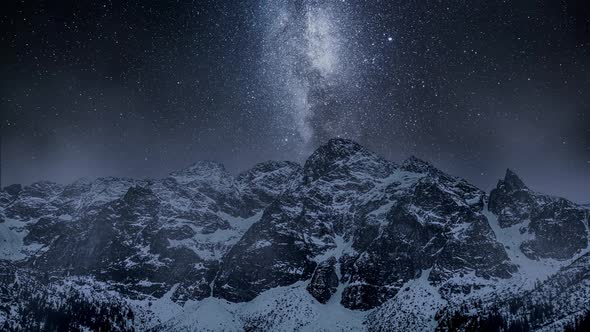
143,88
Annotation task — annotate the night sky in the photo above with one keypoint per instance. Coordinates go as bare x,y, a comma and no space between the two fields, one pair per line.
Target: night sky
143,88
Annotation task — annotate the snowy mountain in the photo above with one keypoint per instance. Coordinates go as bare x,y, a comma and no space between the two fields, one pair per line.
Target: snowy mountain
348,242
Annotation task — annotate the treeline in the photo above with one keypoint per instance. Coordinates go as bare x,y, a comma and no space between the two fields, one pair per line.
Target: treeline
498,317
490,322
38,311
493,319
582,324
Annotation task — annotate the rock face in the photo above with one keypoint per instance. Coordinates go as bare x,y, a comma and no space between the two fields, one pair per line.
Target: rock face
384,224
141,236
349,231
324,282
512,201
557,227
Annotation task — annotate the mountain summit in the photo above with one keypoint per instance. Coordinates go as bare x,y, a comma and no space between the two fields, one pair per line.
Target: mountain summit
349,238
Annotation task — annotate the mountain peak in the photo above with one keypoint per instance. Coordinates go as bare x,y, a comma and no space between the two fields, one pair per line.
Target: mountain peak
326,157
417,165
203,171
342,144
203,166
337,149
269,166
14,189
513,181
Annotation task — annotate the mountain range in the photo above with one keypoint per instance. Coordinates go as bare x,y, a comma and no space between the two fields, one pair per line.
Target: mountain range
349,241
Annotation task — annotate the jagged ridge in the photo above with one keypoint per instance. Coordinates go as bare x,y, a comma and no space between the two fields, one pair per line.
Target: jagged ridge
350,233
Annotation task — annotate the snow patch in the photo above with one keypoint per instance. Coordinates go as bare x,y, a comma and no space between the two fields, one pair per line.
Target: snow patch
413,308
212,246
529,270
12,233
289,308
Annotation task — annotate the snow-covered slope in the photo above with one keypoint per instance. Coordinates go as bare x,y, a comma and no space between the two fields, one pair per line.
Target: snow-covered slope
288,308
550,306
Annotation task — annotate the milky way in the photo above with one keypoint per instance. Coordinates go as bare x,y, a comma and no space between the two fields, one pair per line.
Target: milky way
309,64
143,88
